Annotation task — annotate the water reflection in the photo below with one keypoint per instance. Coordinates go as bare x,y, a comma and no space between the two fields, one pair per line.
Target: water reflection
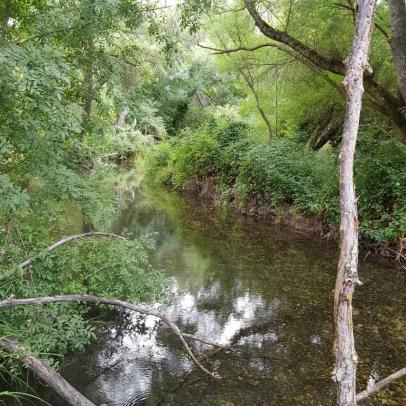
262,289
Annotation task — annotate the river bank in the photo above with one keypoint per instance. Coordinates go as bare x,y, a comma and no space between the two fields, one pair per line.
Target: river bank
285,215
283,179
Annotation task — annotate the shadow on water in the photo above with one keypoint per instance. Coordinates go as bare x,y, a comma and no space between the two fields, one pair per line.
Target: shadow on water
263,289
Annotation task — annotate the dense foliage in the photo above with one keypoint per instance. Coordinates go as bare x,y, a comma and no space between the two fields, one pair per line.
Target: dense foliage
87,84
270,174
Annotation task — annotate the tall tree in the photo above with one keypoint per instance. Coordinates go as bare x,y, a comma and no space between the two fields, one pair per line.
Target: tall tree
347,273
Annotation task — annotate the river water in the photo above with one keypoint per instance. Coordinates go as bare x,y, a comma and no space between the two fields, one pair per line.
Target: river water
265,290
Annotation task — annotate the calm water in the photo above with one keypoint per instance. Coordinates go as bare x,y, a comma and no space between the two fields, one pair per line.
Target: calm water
263,289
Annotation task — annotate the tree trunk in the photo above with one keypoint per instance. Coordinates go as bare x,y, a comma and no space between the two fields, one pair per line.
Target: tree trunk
398,42
121,118
46,374
347,272
6,14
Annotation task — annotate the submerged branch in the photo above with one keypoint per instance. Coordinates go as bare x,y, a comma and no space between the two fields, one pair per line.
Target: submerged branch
381,384
57,244
11,302
48,375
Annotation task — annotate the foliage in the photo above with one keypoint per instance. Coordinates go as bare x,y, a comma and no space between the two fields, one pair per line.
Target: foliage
285,171
67,70
104,267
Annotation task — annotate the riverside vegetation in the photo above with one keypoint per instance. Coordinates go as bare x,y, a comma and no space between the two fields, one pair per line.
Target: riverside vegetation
252,172
202,96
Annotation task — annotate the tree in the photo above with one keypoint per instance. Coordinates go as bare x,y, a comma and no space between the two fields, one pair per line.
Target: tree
382,100
347,274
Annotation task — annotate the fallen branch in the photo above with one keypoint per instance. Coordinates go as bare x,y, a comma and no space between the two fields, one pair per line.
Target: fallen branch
45,373
57,244
11,302
381,384
206,341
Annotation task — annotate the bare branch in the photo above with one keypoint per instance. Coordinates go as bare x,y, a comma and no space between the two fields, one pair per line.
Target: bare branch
206,341
45,373
11,302
219,51
65,240
381,384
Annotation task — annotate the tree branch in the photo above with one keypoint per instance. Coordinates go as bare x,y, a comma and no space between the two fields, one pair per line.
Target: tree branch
333,65
48,375
65,240
299,57
11,302
219,51
124,60
390,105
381,384
379,27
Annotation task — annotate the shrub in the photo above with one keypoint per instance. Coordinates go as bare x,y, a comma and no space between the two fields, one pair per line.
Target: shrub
280,171
284,171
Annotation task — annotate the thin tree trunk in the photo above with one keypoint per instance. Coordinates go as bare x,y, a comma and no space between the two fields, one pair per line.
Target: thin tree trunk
45,373
347,274
398,42
250,82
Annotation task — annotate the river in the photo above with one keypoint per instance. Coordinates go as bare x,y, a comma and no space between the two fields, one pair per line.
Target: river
262,288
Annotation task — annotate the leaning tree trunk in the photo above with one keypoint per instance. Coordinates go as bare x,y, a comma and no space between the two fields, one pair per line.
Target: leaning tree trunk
347,273
398,42
45,373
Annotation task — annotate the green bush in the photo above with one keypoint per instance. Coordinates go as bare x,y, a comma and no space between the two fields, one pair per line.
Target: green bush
381,188
285,171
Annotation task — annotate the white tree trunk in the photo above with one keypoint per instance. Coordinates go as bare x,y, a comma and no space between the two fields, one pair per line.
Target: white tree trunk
347,273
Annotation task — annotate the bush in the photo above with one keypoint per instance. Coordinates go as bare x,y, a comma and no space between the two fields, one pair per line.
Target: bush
285,171
381,188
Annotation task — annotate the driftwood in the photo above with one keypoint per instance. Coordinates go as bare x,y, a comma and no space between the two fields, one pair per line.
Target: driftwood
11,302
45,373
381,384
64,240
346,358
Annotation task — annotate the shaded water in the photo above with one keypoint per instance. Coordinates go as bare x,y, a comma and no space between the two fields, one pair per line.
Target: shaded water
263,289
